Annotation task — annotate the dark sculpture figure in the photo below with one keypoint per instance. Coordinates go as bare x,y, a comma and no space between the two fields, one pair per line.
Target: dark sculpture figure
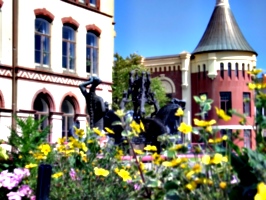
95,105
161,121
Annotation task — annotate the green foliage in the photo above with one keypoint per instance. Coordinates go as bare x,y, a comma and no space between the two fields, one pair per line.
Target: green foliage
121,69
27,138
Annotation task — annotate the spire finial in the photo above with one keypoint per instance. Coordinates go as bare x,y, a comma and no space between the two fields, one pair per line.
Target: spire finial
222,3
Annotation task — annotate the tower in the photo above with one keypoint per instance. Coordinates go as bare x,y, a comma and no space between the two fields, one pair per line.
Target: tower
219,66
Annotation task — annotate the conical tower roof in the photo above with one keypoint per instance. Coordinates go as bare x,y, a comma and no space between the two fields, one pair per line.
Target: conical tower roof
222,32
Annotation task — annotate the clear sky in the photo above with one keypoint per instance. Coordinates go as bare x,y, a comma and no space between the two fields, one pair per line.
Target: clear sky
156,27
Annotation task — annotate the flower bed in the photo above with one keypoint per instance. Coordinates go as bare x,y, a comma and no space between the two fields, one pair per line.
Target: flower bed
85,168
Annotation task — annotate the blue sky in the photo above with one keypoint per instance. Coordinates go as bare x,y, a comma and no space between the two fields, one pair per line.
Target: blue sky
156,27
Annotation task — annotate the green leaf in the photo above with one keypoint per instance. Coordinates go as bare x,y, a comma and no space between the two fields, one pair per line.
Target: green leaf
197,99
124,133
170,185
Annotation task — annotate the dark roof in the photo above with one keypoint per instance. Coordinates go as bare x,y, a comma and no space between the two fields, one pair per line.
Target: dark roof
223,33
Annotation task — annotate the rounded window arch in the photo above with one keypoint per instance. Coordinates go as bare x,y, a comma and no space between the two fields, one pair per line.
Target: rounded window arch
42,107
69,111
169,85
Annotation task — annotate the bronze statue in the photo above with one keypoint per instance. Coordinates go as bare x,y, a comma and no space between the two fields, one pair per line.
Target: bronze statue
95,104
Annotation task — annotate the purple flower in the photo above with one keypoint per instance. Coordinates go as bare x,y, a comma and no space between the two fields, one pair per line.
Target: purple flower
25,190
13,196
136,186
9,181
33,198
73,174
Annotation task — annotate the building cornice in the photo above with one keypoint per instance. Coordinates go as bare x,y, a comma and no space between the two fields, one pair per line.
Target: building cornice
86,7
48,76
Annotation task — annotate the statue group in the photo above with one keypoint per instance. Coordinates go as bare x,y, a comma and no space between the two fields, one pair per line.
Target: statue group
139,94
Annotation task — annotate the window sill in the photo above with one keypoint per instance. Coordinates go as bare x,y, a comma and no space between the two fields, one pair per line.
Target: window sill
42,67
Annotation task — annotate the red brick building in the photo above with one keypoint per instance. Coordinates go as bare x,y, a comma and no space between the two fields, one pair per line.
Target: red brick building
218,68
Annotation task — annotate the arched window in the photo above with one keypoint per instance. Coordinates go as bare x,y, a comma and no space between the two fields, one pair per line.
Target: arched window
42,42
68,117
236,70
92,50
42,108
222,70
229,70
68,48
243,70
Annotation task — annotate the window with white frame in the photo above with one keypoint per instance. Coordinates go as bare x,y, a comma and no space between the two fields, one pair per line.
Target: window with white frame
247,138
225,102
246,103
42,42
92,51
68,48
68,117
41,107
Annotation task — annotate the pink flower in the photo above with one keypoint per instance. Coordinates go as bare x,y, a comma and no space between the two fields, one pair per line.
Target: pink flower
136,186
73,174
25,190
13,196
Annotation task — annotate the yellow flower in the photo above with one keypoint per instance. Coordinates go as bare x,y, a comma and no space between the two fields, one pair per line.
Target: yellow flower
57,175
83,156
172,163
222,185
101,172
79,132
176,147
156,159
191,186
206,159
255,71
135,127
90,141
84,147
208,129
3,153
142,126
225,137
124,175
109,130
142,166
150,148
261,192
45,148
120,113
184,128
222,114
251,86
202,123
197,168
179,112
137,151
39,156
116,170
218,158
31,166
98,132
61,141
190,174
